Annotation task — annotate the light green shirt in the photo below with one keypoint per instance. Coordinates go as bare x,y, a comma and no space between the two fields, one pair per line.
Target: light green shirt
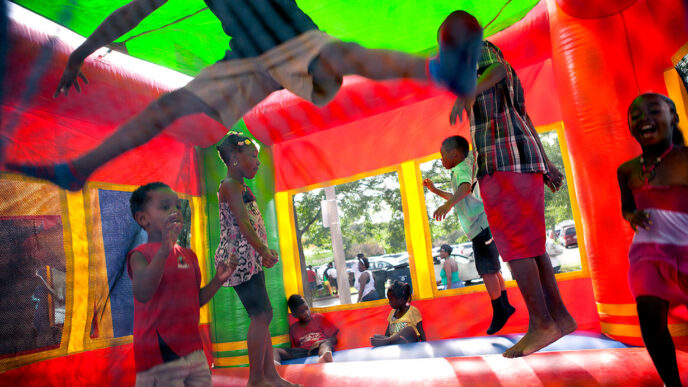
470,209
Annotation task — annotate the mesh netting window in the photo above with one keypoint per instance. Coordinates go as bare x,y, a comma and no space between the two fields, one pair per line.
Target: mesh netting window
32,284
682,68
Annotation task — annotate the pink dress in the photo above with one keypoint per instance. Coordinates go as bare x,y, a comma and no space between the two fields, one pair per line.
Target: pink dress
659,256
232,241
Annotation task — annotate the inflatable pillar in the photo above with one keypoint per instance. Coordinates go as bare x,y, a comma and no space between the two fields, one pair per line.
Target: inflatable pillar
605,54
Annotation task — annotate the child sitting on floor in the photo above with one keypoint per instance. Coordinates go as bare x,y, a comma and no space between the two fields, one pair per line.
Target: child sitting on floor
405,324
312,334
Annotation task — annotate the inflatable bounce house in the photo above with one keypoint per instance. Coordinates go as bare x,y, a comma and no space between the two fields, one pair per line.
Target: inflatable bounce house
66,304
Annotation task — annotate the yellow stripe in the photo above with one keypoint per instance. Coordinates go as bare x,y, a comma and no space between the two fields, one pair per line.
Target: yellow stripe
628,330
413,203
291,269
683,51
677,92
23,196
617,309
98,281
231,361
79,237
199,244
572,196
239,345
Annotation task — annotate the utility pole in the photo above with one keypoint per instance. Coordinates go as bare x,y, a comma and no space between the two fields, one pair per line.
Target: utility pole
331,219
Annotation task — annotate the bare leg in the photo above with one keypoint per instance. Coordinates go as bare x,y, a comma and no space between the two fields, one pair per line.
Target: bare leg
502,284
325,353
555,304
258,333
542,330
142,128
493,286
652,313
136,132
269,370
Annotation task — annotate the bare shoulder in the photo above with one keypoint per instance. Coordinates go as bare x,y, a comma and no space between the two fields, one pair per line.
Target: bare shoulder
229,188
628,167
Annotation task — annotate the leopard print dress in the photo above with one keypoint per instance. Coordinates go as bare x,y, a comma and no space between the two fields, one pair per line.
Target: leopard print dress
232,241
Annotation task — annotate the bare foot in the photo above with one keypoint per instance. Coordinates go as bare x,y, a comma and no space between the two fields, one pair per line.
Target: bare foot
533,341
326,357
280,382
262,383
566,324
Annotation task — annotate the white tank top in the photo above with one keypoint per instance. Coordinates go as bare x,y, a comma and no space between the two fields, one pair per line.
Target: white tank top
369,286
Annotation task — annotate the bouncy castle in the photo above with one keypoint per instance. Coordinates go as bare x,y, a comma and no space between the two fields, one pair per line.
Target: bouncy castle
66,303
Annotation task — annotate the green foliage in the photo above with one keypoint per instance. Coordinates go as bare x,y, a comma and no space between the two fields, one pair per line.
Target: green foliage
448,230
557,205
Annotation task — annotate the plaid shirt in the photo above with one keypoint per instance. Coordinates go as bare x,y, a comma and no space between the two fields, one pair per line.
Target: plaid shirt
501,130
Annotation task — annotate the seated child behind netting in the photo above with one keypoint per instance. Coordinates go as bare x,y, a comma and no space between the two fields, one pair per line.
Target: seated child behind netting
312,334
405,324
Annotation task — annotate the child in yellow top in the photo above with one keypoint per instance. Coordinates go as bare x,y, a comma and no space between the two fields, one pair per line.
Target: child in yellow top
405,324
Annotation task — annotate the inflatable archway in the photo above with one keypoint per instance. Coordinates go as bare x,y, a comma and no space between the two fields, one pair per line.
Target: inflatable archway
580,62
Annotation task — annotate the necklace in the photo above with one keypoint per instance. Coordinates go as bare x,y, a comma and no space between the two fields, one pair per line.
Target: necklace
648,173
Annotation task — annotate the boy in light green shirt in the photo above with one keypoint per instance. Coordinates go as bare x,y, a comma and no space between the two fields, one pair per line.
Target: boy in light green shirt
469,207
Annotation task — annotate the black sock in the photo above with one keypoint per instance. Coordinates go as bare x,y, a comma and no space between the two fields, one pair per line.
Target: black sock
499,315
505,301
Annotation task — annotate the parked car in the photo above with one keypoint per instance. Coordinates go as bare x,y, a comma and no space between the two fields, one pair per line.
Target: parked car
560,226
397,268
568,236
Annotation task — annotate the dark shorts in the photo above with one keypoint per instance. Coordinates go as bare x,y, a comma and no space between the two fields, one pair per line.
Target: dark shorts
372,296
486,256
333,283
295,353
253,295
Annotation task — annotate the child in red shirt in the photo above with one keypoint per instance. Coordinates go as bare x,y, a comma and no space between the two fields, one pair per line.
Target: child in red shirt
312,334
166,282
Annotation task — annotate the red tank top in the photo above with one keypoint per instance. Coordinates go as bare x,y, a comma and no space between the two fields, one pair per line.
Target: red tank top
173,312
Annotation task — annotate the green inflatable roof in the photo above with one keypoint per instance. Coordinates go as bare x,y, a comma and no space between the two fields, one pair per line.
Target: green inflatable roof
184,35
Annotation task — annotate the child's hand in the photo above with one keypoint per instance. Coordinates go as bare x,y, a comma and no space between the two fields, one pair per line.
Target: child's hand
640,218
441,212
270,257
429,184
69,77
173,226
378,340
554,179
461,104
224,270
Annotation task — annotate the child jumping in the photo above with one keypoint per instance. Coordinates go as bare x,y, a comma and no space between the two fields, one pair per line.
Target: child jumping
274,45
242,233
404,323
654,188
312,334
469,208
166,280
512,171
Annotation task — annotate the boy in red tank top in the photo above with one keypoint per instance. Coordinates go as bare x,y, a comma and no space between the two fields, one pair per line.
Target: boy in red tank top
166,282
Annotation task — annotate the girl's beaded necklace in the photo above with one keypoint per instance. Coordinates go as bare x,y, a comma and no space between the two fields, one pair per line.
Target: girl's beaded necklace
648,173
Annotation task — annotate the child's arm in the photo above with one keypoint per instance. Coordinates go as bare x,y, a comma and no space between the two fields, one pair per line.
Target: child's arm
121,21
492,75
146,276
231,192
419,326
222,272
461,192
431,187
628,209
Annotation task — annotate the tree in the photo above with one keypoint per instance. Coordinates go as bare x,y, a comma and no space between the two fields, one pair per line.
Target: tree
557,205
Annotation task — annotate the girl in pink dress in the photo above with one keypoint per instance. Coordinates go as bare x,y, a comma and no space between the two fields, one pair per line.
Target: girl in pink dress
654,200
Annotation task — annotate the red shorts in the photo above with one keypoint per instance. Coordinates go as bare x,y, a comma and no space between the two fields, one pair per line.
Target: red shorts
515,208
